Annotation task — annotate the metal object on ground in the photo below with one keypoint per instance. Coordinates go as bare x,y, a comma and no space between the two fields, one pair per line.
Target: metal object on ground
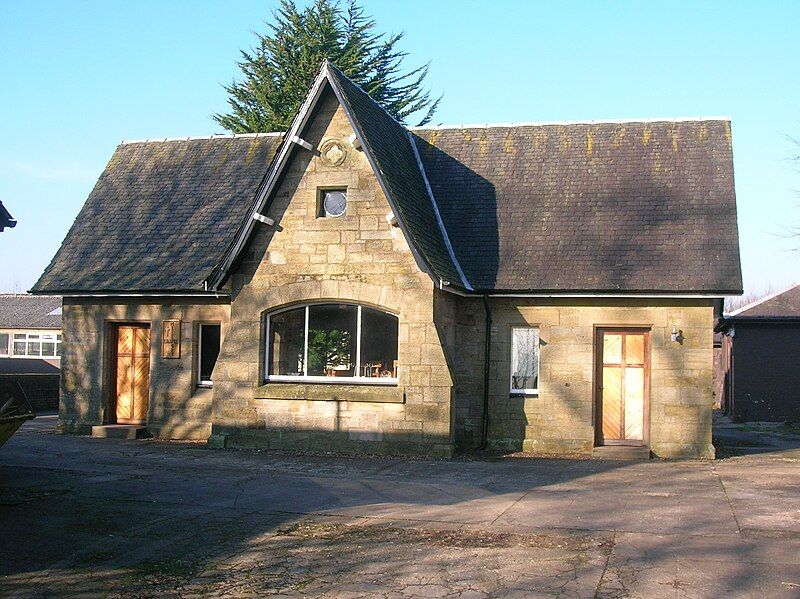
14,409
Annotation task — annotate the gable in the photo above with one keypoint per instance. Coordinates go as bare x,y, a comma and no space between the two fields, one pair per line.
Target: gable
304,244
389,148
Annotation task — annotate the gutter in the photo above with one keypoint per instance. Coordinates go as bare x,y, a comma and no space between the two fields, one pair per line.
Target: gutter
589,294
215,295
487,352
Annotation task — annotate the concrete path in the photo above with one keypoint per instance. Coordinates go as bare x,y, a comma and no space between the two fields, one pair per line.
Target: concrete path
99,517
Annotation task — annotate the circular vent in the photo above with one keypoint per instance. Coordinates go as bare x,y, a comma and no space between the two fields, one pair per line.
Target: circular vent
335,203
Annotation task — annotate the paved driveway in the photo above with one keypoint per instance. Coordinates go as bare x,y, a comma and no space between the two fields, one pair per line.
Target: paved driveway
90,517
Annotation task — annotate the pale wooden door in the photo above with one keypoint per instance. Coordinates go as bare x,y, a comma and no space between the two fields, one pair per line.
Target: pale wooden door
624,386
132,374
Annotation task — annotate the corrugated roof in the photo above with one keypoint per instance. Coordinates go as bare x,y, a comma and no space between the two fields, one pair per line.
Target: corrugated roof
25,311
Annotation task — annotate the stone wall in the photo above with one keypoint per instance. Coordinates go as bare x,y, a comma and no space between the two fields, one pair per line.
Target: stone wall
357,258
177,408
561,418
360,258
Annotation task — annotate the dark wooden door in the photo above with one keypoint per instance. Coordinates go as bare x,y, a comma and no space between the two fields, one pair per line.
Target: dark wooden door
623,376
132,374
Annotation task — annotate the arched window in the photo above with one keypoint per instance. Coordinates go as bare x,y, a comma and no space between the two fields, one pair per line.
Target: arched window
332,343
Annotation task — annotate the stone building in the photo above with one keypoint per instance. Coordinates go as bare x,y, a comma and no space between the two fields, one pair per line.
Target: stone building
356,285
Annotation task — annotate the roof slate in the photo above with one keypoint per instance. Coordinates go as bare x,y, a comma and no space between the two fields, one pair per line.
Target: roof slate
602,207
160,216
24,311
10,366
782,305
607,207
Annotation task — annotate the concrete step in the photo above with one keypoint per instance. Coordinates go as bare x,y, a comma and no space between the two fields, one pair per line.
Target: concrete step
120,431
621,452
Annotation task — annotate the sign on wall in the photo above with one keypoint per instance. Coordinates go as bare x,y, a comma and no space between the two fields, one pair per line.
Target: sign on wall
171,339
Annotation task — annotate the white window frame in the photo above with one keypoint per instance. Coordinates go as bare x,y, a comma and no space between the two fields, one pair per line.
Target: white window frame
33,336
203,384
334,380
537,349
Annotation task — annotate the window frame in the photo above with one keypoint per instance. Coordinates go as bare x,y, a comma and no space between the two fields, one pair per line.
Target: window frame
321,191
333,380
537,349
199,382
33,337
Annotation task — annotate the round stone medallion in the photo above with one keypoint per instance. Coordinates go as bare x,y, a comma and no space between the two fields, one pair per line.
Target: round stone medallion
333,152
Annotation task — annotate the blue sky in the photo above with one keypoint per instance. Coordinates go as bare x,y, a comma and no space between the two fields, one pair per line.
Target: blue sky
78,77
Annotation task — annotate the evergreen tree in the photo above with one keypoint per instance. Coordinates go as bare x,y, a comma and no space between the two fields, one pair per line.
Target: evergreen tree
279,71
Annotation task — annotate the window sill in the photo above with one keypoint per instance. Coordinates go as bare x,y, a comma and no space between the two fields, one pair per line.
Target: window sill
525,393
332,380
313,391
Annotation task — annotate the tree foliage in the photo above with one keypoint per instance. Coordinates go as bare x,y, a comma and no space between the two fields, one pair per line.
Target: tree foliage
328,349
279,70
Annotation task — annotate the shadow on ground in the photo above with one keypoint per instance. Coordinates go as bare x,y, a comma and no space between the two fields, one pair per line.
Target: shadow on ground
753,438
113,518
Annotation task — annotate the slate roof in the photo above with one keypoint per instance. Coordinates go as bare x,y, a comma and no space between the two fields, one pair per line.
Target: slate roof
606,207
12,366
603,207
6,220
160,215
782,305
24,311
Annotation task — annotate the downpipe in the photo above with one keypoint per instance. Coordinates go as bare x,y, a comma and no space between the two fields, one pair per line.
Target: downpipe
486,355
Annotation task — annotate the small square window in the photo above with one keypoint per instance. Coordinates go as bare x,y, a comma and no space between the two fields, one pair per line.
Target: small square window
332,203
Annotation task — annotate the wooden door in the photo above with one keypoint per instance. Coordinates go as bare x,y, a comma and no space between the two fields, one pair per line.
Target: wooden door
623,377
132,374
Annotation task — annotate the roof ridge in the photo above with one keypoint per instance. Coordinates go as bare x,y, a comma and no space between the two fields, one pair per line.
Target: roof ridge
762,300
691,119
443,126
29,295
199,137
